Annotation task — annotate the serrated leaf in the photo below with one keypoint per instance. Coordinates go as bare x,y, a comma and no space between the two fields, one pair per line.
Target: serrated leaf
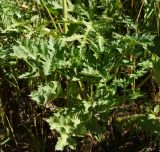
66,123
73,38
46,93
89,71
65,140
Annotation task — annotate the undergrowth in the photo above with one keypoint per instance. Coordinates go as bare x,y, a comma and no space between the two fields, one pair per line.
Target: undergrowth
76,72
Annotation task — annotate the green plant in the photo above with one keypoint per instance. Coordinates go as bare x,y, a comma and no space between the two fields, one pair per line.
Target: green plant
89,59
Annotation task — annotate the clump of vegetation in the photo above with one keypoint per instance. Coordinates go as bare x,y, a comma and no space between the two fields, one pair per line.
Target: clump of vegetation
79,75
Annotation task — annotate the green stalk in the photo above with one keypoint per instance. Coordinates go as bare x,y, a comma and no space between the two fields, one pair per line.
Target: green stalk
53,22
65,15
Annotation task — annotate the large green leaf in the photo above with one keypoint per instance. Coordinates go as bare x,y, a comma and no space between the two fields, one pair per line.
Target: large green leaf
46,93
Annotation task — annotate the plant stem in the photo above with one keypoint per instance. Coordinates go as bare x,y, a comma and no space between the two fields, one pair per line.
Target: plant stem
54,24
139,13
134,80
132,5
91,95
132,71
65,15
144,80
